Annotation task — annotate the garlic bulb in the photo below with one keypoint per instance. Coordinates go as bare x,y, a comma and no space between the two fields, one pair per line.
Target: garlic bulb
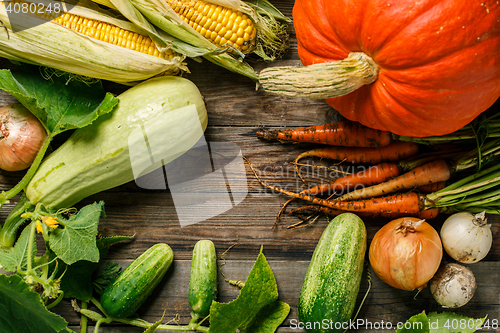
21,136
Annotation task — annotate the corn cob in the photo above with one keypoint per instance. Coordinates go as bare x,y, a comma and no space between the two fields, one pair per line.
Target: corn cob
89,40
266,36
112,34
222,26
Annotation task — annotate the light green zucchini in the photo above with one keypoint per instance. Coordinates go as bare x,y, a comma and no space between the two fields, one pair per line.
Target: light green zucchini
123,297
203,278
331,285
158,119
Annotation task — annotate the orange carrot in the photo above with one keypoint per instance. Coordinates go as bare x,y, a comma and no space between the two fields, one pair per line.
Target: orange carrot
410,203
342,133
433,172
425,214
434,187
390,153
374,174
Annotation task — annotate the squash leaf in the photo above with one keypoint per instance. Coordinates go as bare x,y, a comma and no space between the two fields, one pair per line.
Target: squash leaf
269,318
78,280
105,276
18,256
255,309
75,239
58,102
445,322
22,310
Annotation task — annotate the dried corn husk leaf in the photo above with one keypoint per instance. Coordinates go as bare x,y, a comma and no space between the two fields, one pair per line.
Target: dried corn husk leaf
270,24
53,45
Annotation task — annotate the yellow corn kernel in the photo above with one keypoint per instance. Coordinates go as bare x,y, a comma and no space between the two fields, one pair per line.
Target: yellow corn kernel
222,26
104,32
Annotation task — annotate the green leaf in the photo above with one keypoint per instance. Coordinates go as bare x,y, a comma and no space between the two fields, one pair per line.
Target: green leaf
22,310
75,239
105,276
18,256
269,318
59,103
77,281
244,313
445,322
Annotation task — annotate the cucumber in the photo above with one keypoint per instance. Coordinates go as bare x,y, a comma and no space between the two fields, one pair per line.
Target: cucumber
331,285
167,110
123,297
203,279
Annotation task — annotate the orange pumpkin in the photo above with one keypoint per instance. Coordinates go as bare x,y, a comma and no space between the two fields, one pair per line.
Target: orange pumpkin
438,61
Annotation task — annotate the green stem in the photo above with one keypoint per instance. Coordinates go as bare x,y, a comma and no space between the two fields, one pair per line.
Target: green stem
465,133
474,188
59,299
478,155
462,182
164,327
8,234
144,324
29,174
30,247
84,320
481,199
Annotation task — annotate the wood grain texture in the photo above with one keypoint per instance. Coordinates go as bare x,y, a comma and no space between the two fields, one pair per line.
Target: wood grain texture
236,109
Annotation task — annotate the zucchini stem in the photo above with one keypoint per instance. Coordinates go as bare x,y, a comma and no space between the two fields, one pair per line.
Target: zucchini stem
8,234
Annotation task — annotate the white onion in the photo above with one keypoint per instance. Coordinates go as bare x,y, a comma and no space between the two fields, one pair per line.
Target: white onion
21,137
453,285
466,237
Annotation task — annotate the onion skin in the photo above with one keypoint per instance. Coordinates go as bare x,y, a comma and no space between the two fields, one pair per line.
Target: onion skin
406,253
453,285
21,137
466,237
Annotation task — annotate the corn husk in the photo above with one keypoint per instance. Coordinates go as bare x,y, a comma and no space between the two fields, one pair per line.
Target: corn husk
50,44
270,23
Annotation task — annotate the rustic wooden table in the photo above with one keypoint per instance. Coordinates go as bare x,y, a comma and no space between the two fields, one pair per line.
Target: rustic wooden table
236,110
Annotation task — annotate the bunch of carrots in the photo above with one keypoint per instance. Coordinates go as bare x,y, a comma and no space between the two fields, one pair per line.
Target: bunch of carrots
403,177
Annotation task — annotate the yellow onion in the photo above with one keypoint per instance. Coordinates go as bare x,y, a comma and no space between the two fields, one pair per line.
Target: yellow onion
21,136
406,253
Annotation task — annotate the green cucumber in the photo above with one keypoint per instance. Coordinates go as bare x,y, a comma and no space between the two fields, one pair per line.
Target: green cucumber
331,285
203,279
167,110
123,297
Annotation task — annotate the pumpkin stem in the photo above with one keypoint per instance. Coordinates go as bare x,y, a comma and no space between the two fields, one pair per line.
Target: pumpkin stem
321,81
